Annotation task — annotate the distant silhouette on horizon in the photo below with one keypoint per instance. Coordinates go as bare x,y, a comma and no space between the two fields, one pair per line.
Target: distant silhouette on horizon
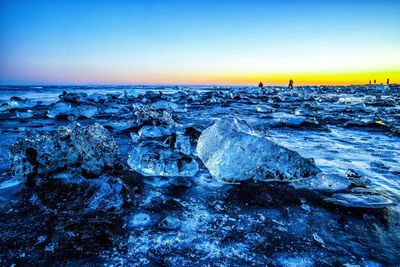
261,85
369,81
387,81
375,81
291,84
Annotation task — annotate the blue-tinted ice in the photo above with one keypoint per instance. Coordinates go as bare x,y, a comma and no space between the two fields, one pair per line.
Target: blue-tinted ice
174,176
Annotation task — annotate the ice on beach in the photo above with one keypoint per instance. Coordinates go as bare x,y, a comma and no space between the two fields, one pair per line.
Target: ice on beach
264,108
152,158
149,131
325,182
91,148
59,109
232,153
62,109
167,105
148,115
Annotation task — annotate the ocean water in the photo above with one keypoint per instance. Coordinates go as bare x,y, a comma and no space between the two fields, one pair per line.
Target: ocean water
163,207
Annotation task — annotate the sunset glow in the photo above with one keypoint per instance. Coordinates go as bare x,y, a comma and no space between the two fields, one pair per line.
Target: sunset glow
199,42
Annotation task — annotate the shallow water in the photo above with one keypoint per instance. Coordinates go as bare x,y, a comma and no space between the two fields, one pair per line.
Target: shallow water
205,222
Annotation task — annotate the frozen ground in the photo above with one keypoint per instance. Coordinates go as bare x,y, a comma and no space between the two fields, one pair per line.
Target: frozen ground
124,175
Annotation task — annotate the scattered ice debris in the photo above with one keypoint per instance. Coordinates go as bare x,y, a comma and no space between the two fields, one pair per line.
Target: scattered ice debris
152,158
232,153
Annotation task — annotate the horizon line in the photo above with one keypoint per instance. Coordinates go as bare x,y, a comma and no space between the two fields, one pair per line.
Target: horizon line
209,85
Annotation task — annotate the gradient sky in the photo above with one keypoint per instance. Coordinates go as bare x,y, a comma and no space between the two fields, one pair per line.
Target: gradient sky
199,42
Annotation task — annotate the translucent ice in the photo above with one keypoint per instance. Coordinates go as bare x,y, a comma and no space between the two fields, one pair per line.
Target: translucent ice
232,152
87,111
157,159
264,108
90,148
149,131
59,109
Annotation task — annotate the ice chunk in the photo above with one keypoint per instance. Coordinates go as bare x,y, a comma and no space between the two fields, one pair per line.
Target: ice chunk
182,144
148,115
95,145
97,98
318,238
19,103
36,152
90,148
264,108
301,112
157,159
296,121
154,131
232,152
87,111
59,109
167,105
135,137
325,182
73,97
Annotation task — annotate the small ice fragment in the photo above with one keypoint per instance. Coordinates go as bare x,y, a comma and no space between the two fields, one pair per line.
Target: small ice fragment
157,159
318,238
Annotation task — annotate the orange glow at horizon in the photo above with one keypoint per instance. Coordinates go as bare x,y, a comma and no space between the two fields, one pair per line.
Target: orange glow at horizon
127,78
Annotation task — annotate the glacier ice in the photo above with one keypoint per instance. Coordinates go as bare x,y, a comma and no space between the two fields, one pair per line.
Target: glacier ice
62,109
150,131
59,109
148,115
232,152
152,158
90,149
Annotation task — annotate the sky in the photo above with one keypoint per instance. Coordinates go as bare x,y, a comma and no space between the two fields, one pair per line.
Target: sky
199,42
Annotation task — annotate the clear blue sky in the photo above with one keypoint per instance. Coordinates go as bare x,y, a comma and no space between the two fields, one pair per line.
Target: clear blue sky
152,42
